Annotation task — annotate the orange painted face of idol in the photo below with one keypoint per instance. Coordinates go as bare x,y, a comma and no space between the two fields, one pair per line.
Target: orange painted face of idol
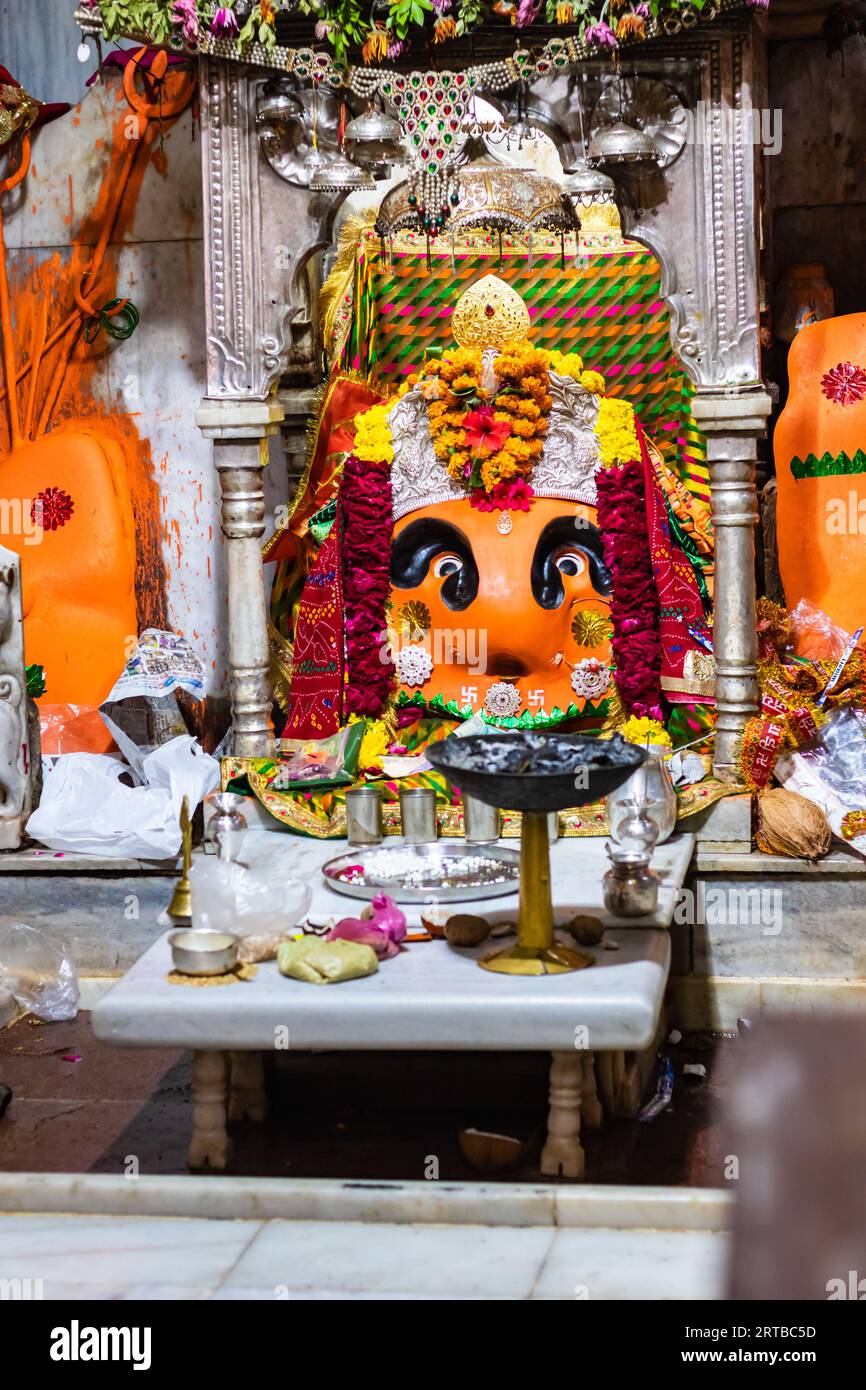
522,607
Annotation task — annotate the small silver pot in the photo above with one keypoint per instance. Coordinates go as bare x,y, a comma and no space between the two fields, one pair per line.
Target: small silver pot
204,952
631,890
225,825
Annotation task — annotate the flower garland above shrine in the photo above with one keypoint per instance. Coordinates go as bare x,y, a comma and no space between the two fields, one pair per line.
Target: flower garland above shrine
248,30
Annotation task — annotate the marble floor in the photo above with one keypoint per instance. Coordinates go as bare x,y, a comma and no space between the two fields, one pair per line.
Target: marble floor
127,1257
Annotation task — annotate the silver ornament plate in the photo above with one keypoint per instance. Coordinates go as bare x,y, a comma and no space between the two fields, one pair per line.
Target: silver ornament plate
415,873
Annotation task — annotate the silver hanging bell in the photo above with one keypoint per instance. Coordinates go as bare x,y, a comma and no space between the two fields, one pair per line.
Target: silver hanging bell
621,144
374,138
339,175
587,187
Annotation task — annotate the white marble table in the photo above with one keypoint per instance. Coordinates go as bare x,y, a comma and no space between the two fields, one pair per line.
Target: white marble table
428,997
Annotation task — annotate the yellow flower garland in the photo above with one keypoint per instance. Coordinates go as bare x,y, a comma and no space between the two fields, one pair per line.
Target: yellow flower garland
373,434
616,432
644,731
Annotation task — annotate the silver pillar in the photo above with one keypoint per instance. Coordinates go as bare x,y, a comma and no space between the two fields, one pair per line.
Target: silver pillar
240,432
732,418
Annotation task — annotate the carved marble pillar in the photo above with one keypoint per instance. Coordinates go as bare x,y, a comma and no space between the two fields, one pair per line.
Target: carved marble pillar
249,252
240,432
731,419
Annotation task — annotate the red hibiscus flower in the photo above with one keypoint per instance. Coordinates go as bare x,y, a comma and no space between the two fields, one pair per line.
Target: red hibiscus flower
483,432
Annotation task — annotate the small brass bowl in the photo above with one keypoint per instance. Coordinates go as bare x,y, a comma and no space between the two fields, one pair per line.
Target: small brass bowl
204,952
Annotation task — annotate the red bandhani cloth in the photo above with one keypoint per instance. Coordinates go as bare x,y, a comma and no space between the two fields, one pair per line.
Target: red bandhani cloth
316,709
680,606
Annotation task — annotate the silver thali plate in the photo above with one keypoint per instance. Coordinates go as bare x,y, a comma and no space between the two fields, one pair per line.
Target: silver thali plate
414,873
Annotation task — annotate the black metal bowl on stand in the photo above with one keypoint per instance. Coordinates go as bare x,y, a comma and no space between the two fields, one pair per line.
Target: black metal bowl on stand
536,773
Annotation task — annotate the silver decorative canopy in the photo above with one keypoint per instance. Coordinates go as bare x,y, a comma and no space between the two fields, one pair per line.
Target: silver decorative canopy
490,196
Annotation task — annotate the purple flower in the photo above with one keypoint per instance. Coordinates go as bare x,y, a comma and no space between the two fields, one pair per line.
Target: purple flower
323,28
600,36
758,4
644,11
527,12
395,49
225,22
183,12
442,6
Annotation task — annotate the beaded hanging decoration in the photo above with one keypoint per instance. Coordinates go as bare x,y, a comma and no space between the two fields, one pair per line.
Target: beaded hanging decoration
432,108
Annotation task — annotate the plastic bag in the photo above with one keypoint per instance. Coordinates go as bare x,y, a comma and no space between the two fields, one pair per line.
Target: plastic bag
141,711
247,901
41,977
319,762
831,773
814,635
86,809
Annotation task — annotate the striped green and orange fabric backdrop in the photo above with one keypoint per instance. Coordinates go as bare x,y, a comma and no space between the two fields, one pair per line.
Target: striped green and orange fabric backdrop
608,308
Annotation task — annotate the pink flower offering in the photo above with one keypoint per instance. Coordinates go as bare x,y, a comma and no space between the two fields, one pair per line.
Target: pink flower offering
384,929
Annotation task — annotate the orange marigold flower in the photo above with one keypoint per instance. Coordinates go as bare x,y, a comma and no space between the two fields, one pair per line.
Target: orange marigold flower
376,46
631,26
443,29
525,429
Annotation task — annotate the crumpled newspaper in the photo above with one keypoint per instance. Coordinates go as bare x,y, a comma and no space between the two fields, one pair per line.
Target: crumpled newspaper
142,712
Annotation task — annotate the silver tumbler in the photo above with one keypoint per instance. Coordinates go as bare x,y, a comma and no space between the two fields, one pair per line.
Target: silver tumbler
364,816
480,821
418,815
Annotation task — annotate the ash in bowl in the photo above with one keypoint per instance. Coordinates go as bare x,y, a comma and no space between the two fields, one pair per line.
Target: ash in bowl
521,754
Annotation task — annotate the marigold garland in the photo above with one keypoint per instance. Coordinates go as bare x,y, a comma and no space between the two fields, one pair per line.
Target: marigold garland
373,443
490,441
516,420
616,432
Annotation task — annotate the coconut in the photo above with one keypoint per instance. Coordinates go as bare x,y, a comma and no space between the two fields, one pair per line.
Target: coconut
788,824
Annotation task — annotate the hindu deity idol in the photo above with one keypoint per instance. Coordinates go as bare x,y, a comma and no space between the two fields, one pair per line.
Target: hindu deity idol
820,448
499,544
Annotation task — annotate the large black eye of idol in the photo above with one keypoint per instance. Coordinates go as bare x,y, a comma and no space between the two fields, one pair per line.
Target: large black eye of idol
568,546
428,542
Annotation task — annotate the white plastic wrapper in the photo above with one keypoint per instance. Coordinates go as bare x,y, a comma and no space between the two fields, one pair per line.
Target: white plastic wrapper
87,809
41,977
261,900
